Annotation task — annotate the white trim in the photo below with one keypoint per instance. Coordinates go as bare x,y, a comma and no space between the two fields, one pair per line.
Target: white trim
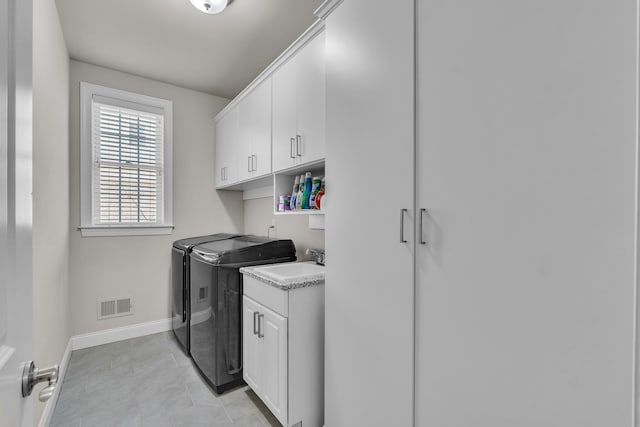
125,231
326,8
107,336
315,29
87,92
258,193
45,419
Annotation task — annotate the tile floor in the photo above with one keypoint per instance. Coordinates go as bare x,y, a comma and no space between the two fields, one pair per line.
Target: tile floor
148,381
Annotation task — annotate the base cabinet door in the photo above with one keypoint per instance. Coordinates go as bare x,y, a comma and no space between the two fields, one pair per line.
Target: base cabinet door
250,341
273,329
265,356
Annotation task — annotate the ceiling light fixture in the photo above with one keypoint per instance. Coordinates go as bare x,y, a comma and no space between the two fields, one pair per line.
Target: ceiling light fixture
210,6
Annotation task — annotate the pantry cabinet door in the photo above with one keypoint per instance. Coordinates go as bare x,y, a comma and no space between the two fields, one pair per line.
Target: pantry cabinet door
527,151
369,278
284,115
310,101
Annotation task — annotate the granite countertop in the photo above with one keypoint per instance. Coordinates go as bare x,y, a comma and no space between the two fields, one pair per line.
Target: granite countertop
261,273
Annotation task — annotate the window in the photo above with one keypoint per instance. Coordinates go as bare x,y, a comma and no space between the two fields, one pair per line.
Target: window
125,163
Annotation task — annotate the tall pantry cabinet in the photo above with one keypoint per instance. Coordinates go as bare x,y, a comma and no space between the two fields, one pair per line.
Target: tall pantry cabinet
522,230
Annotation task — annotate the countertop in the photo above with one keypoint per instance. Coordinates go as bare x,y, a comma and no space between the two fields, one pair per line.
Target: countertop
285,283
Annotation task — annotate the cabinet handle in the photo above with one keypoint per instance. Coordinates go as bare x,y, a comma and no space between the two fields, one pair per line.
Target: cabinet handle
255,322
291,153
249,164
254,165
226,175
221,174
422,212
260,334
299,145
402,212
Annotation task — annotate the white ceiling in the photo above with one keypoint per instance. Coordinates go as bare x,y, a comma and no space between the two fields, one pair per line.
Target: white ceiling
171,41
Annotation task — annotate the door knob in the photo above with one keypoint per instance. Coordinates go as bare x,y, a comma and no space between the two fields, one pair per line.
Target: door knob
32,376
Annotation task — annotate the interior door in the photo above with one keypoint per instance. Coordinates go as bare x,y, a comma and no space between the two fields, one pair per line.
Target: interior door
15,209
527,170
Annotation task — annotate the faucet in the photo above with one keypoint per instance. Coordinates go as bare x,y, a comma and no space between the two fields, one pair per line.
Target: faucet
316,255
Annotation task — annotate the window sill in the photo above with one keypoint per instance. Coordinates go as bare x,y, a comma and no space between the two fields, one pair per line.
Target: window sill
125,230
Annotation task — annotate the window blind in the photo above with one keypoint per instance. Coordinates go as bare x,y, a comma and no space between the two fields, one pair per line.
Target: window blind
128,165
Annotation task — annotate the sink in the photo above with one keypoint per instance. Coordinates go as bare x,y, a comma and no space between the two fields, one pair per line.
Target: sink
291,271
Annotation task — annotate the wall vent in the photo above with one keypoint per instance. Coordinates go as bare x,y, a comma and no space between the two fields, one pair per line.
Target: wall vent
115,308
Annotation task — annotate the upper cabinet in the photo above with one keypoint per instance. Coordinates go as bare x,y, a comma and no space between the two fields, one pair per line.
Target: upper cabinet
278,121
299,107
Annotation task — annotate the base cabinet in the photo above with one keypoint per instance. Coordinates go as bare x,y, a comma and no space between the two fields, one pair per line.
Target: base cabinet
283,350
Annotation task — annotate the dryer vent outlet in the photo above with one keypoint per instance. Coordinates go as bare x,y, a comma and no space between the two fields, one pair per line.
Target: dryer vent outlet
115,308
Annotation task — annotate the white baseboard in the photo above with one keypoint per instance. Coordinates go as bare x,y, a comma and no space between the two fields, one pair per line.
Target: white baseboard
107,336
45,419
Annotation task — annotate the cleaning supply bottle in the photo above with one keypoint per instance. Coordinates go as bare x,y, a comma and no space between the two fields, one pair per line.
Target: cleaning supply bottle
294,193
306,195
300,192
315,188
320,194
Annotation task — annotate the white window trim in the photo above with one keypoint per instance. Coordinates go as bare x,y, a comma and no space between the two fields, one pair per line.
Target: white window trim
88,229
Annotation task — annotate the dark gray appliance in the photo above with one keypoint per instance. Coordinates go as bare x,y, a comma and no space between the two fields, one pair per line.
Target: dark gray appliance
180,283
216,302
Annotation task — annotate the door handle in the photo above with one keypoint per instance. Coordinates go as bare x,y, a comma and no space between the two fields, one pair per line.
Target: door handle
260,334
254,165
255,321
402,212
32,376
422,212
291,153
299,145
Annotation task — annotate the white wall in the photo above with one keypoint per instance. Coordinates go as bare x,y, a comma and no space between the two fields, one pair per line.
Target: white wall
107,267
50,188
258,214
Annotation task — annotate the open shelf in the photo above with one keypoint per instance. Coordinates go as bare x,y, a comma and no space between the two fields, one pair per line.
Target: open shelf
283,185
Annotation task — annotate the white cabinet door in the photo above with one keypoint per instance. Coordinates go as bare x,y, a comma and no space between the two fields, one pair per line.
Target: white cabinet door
259,122
369,281
264,355
251,357
310,101
226,145
254,124
243,158
527,171
273,344
284,115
